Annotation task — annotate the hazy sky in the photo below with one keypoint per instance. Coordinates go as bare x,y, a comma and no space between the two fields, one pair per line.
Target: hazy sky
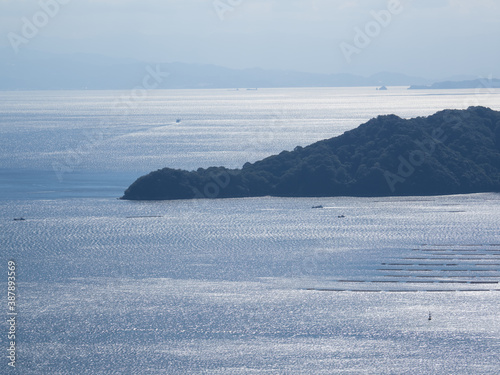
430,38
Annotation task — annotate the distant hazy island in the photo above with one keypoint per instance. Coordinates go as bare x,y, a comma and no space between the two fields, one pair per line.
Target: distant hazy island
450,152
471,84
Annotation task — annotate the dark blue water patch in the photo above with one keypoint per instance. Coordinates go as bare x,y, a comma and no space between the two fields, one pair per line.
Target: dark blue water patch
47,184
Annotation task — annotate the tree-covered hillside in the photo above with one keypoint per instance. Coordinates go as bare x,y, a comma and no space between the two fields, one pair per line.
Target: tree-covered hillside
450,152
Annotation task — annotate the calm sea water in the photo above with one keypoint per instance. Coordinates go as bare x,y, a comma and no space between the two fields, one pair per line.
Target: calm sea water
237,286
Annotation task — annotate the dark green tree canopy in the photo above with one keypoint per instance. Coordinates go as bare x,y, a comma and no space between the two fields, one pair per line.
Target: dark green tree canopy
450,152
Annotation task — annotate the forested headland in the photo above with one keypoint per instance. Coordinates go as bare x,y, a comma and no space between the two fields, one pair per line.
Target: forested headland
450,152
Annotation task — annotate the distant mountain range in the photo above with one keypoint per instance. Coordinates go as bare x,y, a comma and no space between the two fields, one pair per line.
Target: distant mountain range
31,70
468,84
34,70
450,152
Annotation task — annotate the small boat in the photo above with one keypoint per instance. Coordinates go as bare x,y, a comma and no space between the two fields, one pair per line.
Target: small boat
430,316
19,219
341,216
320,206
178,121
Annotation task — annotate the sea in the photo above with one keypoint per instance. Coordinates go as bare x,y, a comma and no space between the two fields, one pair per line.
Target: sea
268,285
